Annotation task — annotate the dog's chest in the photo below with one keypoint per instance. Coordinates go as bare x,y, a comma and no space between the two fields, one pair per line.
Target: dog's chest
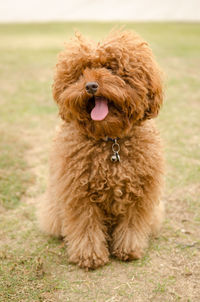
108,181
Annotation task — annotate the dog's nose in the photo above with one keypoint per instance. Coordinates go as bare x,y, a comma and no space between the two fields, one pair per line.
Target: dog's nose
91,87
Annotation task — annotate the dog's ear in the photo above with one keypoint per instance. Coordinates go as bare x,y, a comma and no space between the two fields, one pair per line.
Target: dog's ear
154,95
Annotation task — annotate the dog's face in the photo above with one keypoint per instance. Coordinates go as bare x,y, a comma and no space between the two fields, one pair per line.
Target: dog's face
108,87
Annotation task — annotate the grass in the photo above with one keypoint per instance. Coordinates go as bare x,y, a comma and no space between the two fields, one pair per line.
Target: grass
34,267
14,176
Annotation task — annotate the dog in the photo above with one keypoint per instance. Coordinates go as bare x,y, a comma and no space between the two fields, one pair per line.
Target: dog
106,165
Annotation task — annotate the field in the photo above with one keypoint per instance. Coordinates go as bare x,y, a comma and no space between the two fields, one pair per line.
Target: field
34,267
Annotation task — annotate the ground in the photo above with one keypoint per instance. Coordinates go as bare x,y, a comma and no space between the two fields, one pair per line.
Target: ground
34,267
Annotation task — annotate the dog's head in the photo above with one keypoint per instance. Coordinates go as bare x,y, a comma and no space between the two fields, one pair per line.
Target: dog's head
108,87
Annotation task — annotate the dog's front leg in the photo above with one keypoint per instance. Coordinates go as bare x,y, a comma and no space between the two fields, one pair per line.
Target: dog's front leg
85,234
131,235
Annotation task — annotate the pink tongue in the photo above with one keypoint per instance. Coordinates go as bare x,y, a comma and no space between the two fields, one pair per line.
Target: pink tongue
100,110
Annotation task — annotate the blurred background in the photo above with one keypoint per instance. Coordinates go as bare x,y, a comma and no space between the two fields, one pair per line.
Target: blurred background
95,10
34,267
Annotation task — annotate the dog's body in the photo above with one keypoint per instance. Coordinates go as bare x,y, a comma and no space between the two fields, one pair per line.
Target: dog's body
106,167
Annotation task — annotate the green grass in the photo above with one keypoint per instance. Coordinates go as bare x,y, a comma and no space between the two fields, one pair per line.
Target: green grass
34,267
14,176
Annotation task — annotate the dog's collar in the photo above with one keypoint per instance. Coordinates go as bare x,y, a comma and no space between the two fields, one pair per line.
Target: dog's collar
115,149
110,139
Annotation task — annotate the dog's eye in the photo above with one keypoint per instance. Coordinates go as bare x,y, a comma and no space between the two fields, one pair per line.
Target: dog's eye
110,69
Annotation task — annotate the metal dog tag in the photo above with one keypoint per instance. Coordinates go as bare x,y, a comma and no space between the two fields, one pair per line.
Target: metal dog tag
115,157
115,148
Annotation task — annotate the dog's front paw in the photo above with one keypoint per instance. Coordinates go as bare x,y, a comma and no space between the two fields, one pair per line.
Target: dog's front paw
126,255
88,254
128,244
90,259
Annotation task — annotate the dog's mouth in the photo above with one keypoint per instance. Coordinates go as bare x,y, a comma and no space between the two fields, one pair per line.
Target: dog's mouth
98,108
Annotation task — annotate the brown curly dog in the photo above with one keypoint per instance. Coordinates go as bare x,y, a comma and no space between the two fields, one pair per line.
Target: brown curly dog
106,167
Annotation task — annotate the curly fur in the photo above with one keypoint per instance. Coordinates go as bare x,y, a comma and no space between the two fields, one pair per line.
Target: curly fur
100,207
